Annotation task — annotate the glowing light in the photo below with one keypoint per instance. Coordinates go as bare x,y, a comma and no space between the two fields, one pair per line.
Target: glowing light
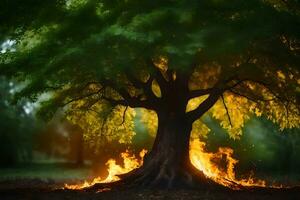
130,163
218,166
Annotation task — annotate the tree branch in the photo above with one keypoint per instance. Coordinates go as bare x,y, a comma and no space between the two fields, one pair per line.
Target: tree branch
82,97
255,100
200,92
205,105
128,100
146,87
227,112
115,102
124,115
163,84
235,84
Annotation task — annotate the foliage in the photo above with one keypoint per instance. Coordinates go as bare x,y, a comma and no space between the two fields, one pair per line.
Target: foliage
103,124
260,147
97,57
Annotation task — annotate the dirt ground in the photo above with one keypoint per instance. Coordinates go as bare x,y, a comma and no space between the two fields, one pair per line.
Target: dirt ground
38,190
146,194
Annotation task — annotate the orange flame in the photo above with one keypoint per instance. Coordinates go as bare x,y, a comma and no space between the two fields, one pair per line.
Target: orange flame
130,163
217,166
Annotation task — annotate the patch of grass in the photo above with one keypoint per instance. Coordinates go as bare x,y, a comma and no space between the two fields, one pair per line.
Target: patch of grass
45,171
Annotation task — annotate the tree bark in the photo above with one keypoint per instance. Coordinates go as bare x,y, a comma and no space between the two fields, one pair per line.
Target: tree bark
168,164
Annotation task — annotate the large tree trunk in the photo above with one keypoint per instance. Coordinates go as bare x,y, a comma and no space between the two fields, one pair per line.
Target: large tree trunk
168,165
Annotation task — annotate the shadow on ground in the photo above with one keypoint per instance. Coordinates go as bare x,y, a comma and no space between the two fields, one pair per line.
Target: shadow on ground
44,192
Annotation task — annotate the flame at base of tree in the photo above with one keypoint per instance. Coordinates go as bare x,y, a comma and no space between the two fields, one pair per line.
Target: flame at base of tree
130,163
218,166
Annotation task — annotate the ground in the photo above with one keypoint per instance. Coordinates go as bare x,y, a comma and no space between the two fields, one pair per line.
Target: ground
46,194
45,182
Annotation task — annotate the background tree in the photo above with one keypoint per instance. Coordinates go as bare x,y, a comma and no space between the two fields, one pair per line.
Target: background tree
180,59
17,128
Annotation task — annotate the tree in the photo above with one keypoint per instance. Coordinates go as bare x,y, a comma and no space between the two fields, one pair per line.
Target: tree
180,59
17,127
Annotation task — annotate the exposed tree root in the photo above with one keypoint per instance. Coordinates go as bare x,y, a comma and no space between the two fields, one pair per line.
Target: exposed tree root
162,177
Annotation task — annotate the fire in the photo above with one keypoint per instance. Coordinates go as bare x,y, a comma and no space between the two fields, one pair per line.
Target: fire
130,163
217,166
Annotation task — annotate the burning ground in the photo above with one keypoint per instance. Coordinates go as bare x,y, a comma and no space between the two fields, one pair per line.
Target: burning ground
218,166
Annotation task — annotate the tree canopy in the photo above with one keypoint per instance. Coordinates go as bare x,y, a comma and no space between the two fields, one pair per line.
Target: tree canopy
231,58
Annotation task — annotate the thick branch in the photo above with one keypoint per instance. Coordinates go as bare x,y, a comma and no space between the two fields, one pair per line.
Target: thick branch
214,93
263,84
157,74
146,87
235,84
205,105
220,84
128,100
200,92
